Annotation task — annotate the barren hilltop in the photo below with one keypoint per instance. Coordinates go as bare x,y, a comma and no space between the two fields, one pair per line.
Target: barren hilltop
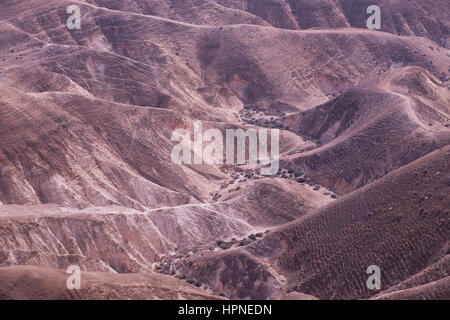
86,176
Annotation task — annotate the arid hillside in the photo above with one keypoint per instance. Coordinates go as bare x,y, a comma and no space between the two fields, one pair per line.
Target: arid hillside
87,178
406,18
25,283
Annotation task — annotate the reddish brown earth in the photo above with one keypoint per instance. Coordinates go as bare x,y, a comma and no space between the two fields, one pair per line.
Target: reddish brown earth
21,283
86,176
